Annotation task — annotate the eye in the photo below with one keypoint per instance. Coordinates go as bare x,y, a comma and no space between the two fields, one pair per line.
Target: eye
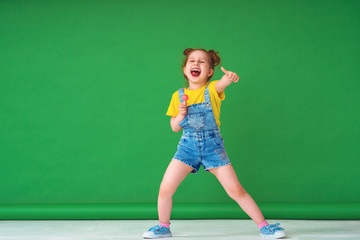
202,61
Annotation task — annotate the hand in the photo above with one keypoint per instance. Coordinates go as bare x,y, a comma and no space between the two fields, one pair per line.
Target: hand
230,76
183,108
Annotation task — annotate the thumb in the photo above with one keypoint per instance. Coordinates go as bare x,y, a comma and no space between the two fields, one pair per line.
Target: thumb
223,69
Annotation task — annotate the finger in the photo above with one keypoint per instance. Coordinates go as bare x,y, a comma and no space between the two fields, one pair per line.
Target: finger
183,105
232,74
223,69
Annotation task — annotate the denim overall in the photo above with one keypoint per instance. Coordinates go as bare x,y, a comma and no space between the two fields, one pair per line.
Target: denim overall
201,142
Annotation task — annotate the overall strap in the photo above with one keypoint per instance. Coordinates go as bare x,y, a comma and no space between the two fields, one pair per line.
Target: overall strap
181,93
207,95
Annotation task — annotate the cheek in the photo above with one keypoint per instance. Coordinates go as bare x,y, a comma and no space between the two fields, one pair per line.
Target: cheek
207,70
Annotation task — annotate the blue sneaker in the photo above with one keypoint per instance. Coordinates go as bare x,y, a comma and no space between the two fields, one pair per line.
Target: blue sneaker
157,232
272,231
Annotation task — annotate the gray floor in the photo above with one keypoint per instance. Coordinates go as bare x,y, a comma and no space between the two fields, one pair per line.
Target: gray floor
181,229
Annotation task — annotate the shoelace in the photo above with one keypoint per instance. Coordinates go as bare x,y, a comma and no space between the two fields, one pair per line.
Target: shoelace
157,228
273,227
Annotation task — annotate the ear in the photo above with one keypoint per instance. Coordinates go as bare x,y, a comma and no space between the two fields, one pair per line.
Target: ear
211,72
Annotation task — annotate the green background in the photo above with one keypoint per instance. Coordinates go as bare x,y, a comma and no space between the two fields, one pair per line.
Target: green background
85,85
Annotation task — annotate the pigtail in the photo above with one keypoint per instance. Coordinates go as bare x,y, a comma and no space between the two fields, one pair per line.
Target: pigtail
187,51
215,58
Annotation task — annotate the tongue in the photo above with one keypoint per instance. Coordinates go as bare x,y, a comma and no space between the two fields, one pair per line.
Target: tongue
195,74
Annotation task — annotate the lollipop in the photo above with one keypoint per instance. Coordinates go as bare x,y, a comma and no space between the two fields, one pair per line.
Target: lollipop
185,97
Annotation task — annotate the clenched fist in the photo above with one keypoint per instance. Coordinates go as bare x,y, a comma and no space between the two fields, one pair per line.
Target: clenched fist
183,108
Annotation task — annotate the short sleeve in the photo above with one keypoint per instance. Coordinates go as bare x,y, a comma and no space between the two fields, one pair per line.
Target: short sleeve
173,109
213,90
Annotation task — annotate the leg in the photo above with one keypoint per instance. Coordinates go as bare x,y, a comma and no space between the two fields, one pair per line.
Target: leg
228,179
174,175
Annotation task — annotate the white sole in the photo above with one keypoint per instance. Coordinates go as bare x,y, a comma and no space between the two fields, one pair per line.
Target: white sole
151,235
277,235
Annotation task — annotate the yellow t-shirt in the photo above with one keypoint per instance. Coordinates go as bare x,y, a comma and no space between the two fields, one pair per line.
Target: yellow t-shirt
198,96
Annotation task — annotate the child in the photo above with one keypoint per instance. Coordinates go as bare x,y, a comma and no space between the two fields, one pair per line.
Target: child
201,142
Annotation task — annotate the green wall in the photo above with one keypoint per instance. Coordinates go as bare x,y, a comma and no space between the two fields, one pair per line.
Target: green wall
85,85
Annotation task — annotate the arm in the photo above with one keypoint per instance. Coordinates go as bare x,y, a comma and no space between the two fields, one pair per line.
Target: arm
226,80
174,121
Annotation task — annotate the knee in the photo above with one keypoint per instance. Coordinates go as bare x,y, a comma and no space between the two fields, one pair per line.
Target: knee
237,192
166,191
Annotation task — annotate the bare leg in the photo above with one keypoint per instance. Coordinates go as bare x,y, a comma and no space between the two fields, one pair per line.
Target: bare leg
228,179
174,175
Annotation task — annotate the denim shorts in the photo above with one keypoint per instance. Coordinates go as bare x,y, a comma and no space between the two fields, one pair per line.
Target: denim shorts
204,148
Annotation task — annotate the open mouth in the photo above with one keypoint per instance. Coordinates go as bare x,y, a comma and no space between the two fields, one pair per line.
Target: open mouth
195,72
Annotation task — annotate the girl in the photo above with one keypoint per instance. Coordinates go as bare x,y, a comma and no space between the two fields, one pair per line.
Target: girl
201,142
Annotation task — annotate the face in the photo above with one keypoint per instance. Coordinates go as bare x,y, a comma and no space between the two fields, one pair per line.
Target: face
197,68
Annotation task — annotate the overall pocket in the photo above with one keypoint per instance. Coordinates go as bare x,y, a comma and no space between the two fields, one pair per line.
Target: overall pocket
196,120
219,140
220,148
222,154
